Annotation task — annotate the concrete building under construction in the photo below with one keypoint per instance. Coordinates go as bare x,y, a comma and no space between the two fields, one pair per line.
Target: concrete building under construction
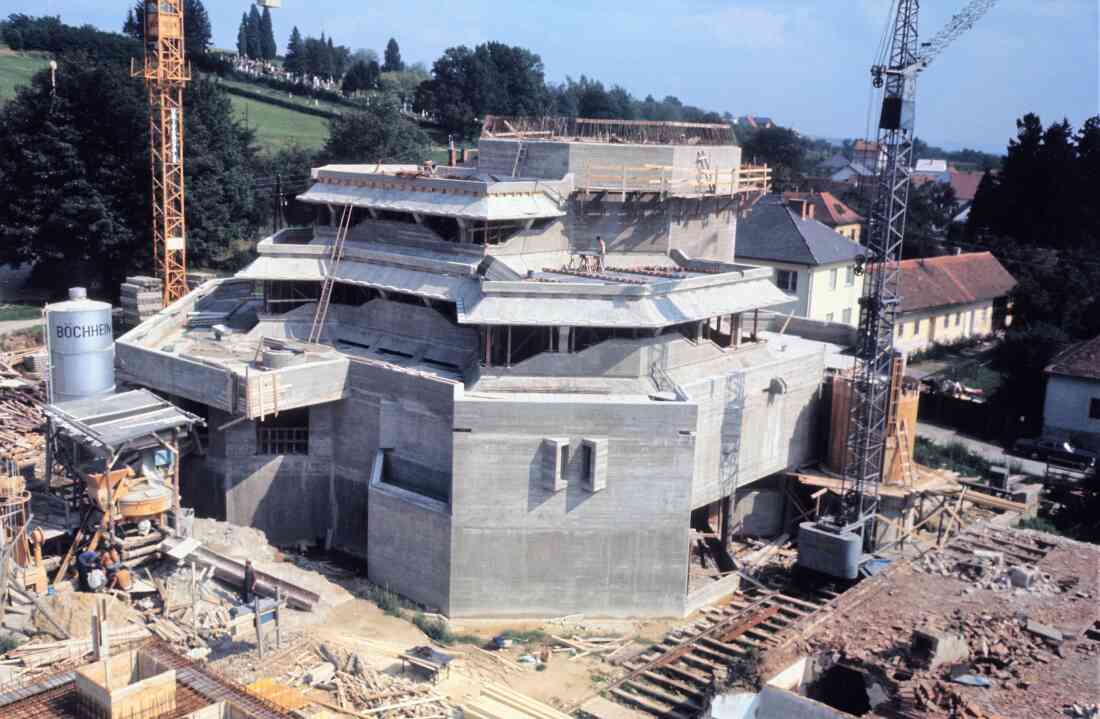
530,376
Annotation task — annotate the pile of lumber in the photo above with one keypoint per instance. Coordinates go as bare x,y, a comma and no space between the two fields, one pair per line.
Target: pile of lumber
39,654
584,646
499,702
362,691
21,417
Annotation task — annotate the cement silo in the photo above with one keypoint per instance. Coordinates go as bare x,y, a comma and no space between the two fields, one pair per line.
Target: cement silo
81,347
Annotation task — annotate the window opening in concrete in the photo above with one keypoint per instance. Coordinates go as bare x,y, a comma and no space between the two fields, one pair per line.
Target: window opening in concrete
563,462
446,227
285,433
842,688
394,216
1094,408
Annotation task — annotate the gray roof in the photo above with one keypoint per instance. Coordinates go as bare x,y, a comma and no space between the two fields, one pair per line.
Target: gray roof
466,205
384,277
646,310
112,421
774,233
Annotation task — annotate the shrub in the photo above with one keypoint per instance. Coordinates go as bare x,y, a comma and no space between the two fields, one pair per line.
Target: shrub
389,602
438,630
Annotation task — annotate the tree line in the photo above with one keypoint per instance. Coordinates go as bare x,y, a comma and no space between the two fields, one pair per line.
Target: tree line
256,35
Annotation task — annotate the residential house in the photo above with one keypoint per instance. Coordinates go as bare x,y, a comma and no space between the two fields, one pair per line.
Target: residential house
933,170
1072,406
852,173
871,155
835,163
946,299
831,212
965,185
812,262
756,122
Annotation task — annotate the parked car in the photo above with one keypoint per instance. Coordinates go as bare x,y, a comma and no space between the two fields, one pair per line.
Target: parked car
1055,451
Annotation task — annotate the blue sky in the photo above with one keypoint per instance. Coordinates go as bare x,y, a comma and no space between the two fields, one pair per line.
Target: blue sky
803,62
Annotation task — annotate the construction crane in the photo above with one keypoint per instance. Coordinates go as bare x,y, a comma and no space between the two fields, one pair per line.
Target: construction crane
165,72
836,543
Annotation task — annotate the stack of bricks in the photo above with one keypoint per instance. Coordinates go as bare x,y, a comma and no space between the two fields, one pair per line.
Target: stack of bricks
141,298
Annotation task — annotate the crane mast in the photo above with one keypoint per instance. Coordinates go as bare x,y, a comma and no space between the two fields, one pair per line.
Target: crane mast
870,403
835,543
165,72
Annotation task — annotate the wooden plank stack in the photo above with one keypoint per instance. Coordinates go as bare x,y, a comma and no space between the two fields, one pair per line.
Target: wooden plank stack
499,702
21,417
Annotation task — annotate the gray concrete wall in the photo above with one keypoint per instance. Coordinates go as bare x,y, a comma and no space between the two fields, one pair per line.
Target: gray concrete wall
1066,409
522,549
410,546
180,376
702,229
771,431
633,226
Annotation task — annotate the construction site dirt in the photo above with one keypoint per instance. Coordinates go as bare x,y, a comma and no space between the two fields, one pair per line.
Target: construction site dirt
1035,648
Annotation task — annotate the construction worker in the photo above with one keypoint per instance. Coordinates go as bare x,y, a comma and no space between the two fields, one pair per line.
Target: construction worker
601,247
248,589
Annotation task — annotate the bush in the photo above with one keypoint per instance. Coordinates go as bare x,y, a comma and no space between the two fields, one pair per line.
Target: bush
441,633
389,602
526,636
956,457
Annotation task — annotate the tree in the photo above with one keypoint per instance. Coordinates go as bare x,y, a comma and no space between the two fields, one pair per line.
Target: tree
393,61
493,78
781,149
74,176
375,134
242,36
365,54
255,34
268,48
361,77
295,53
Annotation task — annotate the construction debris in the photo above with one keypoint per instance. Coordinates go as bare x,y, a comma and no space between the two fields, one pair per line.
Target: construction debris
141,298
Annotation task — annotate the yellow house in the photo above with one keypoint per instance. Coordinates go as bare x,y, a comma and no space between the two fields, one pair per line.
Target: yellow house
812,263
946,299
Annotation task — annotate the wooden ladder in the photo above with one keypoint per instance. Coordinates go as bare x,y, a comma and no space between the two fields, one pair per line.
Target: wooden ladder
521,153
908,472
330,277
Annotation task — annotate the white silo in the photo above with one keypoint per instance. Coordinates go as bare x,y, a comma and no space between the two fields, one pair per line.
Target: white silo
81,348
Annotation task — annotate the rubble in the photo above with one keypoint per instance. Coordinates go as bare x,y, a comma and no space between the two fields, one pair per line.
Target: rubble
987,570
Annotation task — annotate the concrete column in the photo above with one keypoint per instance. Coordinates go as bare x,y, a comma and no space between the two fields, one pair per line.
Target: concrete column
727,521
563,339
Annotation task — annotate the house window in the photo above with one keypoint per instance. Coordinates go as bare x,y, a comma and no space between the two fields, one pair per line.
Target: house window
945,320
1094,408
286,433
828,316
833,275
849,276
916,327
901,328
846,316
958,318
786,280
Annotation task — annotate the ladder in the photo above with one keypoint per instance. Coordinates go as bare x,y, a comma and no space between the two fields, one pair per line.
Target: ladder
330,277
908,472
521,153
703,172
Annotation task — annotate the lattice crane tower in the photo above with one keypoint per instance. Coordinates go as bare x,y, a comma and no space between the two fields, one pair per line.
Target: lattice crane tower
165,72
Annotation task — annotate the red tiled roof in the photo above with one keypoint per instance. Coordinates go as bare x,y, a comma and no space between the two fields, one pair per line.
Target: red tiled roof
865,146
1080,360
965,184
827,209
952,280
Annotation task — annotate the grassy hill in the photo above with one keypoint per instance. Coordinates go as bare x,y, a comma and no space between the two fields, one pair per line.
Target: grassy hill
277,127
17,68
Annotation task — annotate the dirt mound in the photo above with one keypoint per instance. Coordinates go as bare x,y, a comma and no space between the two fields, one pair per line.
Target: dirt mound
73,610
234,541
